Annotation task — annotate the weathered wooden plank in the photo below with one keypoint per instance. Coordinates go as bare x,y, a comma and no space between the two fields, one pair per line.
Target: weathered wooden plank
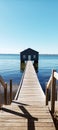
25,128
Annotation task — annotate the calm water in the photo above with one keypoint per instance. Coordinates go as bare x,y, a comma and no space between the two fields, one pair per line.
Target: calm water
10,67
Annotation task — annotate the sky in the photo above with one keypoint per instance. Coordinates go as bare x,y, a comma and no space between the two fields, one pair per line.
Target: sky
29,24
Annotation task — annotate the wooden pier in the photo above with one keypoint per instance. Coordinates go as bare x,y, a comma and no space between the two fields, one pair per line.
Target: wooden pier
28,110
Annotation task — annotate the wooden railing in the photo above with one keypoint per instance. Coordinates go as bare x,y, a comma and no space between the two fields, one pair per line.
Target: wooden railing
48,86
20,85
52,84
19,88
5,90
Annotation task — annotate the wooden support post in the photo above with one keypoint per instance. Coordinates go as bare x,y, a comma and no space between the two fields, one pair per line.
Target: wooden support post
53,92
10,91
47,95
5,94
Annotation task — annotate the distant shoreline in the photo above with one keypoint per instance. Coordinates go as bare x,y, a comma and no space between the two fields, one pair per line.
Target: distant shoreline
19,54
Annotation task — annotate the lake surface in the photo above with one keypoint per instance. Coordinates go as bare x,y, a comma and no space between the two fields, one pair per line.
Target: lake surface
46,64
10,67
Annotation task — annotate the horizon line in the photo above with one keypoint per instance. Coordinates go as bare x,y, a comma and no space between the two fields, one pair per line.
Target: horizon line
19,53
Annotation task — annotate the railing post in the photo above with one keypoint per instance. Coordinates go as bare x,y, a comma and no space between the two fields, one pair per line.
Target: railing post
47,96
5,94
10,91
53,92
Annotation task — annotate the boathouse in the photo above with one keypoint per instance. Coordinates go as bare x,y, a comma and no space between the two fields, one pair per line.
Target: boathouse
29,54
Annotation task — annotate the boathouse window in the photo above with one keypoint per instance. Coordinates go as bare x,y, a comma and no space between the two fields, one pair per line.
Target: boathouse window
34,56
29,57
24,56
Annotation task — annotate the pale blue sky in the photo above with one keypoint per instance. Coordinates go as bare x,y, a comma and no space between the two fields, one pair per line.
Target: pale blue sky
29,24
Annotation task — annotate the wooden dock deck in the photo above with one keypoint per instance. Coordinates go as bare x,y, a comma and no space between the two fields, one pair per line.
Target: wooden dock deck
31,92
28,110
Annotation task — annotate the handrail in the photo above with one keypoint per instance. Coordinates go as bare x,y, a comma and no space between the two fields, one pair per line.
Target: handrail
2,82
56,75
5,89
16,96
18,91
52,83
49,82
48,86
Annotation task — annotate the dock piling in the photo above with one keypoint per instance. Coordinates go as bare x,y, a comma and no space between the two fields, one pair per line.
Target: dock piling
10,90
5,94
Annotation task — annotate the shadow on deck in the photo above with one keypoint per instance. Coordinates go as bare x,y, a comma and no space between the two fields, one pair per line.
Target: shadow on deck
30,119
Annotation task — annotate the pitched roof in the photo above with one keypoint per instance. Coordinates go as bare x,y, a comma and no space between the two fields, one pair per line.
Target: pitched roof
29,49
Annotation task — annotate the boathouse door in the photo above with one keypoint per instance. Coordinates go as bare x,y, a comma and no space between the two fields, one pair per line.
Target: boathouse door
29,57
